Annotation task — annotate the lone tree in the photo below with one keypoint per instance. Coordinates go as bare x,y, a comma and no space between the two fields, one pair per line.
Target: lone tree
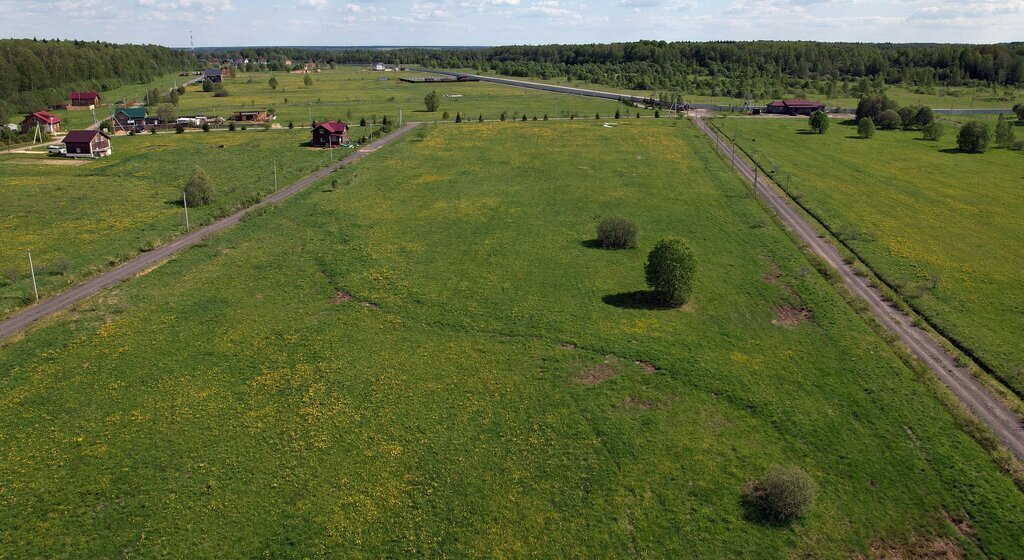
432,101
166,113
308,80
207,85
1004,132
197,189
671,268
272,82
1018,110
865,127
784,494
889,120
924,116
933,130
819,122
973,137
614,232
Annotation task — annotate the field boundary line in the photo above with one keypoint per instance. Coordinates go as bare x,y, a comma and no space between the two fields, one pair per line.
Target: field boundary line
22,319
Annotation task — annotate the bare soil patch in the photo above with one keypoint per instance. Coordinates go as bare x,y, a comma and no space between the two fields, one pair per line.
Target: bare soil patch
341,297
46,161
648,367
370,304
567,346
963,525
637,403
932,548
600,372
790,317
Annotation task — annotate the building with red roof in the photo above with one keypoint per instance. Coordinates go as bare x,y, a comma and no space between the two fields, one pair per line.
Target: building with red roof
87,143
330,134
84,98
794,107
45,120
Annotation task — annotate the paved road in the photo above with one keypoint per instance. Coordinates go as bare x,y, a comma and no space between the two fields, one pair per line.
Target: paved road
64,300
1003,421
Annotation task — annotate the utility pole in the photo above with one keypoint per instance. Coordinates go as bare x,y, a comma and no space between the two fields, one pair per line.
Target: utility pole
184,202
32,270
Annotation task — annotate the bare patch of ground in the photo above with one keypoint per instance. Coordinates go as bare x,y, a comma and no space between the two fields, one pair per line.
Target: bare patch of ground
931,548
963,525
789,316
46,161
773,274
637,403
370,304
648,367
567,346
341,297
598,373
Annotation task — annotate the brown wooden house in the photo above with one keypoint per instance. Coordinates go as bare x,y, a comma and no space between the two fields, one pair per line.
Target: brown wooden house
87,143
85,99
45,120
250,116
330,134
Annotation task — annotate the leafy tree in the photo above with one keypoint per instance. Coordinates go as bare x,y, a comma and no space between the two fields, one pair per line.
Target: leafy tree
198,191
480,117
272,82
458,117
657,114
597,116
872,106
924,116
933,130
784,494
973,137
618,115
888,120
819,122
670,271
445,115
206,126
308,80
231,126
524,119
907,115
291,125
865,127
207,85
614,232
166,112
432,101
1004,132
362,122
545,116
1018,110
179,128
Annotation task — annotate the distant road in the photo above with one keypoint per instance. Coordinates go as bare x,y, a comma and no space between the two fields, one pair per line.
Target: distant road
640,99
64,300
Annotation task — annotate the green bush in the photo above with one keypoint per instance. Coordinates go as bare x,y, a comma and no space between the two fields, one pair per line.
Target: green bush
671,268
933,130
974,137
865,127
889,120
784,494
617,233
819,122
197,190
179,128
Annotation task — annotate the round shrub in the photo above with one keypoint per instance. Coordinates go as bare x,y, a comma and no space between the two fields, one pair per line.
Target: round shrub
889,120
784,494
819,122
671,268
197,190
865,127
617,233
973,137
932,130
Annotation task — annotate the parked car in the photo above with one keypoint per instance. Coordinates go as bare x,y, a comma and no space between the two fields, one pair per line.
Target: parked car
57,149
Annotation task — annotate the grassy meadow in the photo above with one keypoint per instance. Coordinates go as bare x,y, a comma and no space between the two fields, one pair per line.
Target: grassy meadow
74,120
350,93
433,360
91,214
943,227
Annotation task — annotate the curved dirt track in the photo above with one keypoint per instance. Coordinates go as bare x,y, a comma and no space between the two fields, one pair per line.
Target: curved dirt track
1003,421
64,300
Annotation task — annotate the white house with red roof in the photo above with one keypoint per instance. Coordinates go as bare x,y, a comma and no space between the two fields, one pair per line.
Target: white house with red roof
45,120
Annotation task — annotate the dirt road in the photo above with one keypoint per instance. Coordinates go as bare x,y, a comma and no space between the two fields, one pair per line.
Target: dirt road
1003,421
64,300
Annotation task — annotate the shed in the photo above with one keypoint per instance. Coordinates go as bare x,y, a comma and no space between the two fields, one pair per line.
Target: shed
213,74
330,134
250,116
794,107
87,143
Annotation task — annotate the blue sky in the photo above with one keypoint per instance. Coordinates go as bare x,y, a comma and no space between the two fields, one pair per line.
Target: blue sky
501,22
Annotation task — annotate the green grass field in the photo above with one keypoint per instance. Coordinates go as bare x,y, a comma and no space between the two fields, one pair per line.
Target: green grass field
944,227
94,213
350,93
74,120
433,361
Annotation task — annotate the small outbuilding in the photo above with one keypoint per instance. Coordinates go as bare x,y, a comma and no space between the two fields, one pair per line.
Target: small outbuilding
45,120
794,107
87,143
87,99
215,75
250,116
330,134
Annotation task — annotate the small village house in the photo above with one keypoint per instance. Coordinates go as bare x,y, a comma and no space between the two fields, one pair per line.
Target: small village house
87,99
130,118
250,116
794,107
87,143
330,134
379,66
45,120
213,74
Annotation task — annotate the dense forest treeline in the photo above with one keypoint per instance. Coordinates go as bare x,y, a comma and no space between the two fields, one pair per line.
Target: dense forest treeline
35,74
664,65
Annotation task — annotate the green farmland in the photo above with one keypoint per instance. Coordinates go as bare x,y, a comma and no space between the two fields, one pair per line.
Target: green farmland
73,120
335,94
943,227
433,360
81,216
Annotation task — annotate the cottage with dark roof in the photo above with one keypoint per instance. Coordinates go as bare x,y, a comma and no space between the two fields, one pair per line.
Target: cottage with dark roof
794,107
87,143
214,74
130,118
330,134
45,120
85,99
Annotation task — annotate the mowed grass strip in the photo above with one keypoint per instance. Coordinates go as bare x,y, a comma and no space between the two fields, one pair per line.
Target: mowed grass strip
943,227
81,218
434,361
351,93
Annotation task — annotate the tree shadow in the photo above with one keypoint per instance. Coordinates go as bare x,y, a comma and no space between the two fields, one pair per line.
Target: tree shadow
639,299
806,132
855,137
754,513
591,244
953,151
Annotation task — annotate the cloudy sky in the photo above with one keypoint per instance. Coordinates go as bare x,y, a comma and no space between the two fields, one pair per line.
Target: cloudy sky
500,22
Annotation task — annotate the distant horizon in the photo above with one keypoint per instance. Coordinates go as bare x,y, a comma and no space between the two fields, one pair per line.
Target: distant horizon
423,23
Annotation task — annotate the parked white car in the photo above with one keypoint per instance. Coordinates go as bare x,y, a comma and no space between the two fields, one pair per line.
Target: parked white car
59,149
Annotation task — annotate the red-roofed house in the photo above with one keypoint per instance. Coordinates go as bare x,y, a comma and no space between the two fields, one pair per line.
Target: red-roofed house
87,143
84,98
45,120
794,107
331,133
